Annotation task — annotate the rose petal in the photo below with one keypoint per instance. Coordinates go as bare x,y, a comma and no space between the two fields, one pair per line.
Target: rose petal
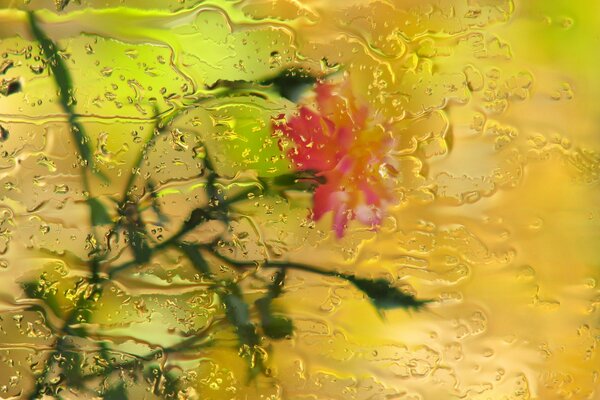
340,142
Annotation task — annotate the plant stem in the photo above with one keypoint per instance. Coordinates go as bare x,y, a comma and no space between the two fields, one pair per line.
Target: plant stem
272,264
64,82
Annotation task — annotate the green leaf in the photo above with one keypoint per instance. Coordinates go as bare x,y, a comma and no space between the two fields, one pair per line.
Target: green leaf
57,65
171,385
164,383
99,214
194,255
276,287
3,134
71,367
285,180
305,181
137,241
61,4
65,85
274,326
35,291
197,217
291,83
278,327
237,313
383,295
116,392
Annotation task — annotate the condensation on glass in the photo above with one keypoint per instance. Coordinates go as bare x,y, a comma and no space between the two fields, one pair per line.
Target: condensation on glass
299,199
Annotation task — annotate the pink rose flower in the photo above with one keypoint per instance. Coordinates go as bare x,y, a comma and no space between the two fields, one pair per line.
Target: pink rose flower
345,142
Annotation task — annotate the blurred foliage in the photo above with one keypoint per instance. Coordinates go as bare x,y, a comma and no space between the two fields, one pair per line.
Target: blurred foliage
253,319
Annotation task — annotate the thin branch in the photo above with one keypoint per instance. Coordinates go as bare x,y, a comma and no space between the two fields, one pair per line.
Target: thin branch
271,264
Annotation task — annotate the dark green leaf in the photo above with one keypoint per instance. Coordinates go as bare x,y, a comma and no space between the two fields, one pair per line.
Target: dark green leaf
99,214
61,4
137,241
286,179
299,180
383,295
291,83
274,326
278,327
3,133
164,383
71,367
276,287
34,291
65,85
153,375
237,313
194,255
136,233
211,190
116,392
197,217
171,385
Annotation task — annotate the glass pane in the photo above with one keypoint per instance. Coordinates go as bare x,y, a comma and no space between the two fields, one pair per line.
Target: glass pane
299,199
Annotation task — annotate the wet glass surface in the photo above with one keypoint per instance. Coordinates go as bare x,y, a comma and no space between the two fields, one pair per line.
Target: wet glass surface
299,199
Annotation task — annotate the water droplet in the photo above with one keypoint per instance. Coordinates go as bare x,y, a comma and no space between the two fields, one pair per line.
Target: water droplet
106,71
61,189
